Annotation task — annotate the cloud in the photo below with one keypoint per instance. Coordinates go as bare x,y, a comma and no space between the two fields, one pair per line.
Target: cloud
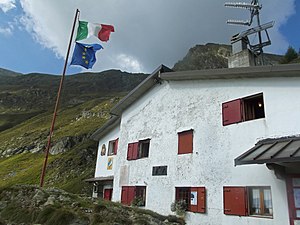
129,63
7,5
148,33
7,31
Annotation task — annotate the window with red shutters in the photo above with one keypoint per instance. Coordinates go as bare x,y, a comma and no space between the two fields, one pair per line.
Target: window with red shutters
138,150
244,109
112,147
194,198
235,201
133,193
185,142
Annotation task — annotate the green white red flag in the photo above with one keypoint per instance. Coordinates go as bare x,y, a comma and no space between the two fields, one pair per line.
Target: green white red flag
86,29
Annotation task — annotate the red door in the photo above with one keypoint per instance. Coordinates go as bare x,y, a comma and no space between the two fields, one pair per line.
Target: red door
108,194
293,189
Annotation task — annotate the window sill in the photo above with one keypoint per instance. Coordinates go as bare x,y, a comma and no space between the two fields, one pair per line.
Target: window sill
261,216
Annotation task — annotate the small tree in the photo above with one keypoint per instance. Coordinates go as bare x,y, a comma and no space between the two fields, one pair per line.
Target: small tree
290,55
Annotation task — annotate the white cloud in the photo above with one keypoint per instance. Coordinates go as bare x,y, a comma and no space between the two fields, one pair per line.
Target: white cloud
129,63
7,31
148,33
7,5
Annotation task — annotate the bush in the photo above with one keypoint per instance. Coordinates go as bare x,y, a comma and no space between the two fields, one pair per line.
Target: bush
179,207
138,201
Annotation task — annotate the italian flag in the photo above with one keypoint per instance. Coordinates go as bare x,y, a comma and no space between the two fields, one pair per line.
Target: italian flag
102,31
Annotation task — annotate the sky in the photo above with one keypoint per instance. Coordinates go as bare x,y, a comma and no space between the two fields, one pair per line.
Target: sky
34,34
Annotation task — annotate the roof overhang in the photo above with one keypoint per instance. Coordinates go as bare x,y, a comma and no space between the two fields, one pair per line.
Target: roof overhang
108,126
98,179
272,151
282,70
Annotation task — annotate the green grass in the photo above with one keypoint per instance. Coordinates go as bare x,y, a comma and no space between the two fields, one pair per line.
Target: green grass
22,169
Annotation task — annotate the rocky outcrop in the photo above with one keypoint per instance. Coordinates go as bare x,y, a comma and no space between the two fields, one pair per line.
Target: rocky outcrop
65,144
209,56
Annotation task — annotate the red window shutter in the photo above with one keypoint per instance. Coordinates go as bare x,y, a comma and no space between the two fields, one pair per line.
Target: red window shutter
108,194
116,146
185,142
132,152
135,150
131,195
232,112
200,205
127,195
124,195
129,151
235,201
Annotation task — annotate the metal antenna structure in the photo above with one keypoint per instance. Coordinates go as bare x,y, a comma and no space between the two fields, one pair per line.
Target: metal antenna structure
254,7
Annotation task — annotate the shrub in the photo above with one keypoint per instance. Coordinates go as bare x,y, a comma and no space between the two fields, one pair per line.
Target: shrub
179,207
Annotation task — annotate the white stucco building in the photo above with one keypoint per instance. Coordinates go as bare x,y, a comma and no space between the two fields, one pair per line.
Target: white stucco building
225,141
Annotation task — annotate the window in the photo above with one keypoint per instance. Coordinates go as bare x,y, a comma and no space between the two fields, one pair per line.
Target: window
260,201
133,195
244,109
245,201
113,147
194,198
138,150
143,151
140,195
185,142
159,170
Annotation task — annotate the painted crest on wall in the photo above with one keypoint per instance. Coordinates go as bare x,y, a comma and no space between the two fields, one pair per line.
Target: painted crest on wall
110,163
103,150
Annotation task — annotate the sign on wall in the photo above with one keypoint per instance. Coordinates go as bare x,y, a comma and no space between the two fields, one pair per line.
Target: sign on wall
110,163
194,198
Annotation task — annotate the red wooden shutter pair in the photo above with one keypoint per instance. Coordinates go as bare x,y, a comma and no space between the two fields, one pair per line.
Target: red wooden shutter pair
132,152
200,200
116,146
232,112
235,201
185,142
128,194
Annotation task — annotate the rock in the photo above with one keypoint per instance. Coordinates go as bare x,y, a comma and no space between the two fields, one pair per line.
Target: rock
50,200
39,197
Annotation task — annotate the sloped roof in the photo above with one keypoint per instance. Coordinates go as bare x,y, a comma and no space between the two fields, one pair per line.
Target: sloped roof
277,150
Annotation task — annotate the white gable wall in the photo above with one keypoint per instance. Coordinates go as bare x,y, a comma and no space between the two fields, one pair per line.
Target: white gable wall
101,163
176,106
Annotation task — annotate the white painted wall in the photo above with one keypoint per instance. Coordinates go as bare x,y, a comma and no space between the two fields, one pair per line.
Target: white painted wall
181,105
101,164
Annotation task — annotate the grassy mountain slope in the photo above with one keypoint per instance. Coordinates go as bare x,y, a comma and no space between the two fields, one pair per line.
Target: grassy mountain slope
26,108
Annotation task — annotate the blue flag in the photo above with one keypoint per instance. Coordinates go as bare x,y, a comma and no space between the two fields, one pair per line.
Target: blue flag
84,54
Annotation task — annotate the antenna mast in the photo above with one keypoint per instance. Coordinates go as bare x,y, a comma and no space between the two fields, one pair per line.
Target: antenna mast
254,7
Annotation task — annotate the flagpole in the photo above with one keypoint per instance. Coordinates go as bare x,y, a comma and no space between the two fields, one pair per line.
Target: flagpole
57,103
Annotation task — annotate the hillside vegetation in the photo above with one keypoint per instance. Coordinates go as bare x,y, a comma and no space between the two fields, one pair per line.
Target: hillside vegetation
32,205
26,109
